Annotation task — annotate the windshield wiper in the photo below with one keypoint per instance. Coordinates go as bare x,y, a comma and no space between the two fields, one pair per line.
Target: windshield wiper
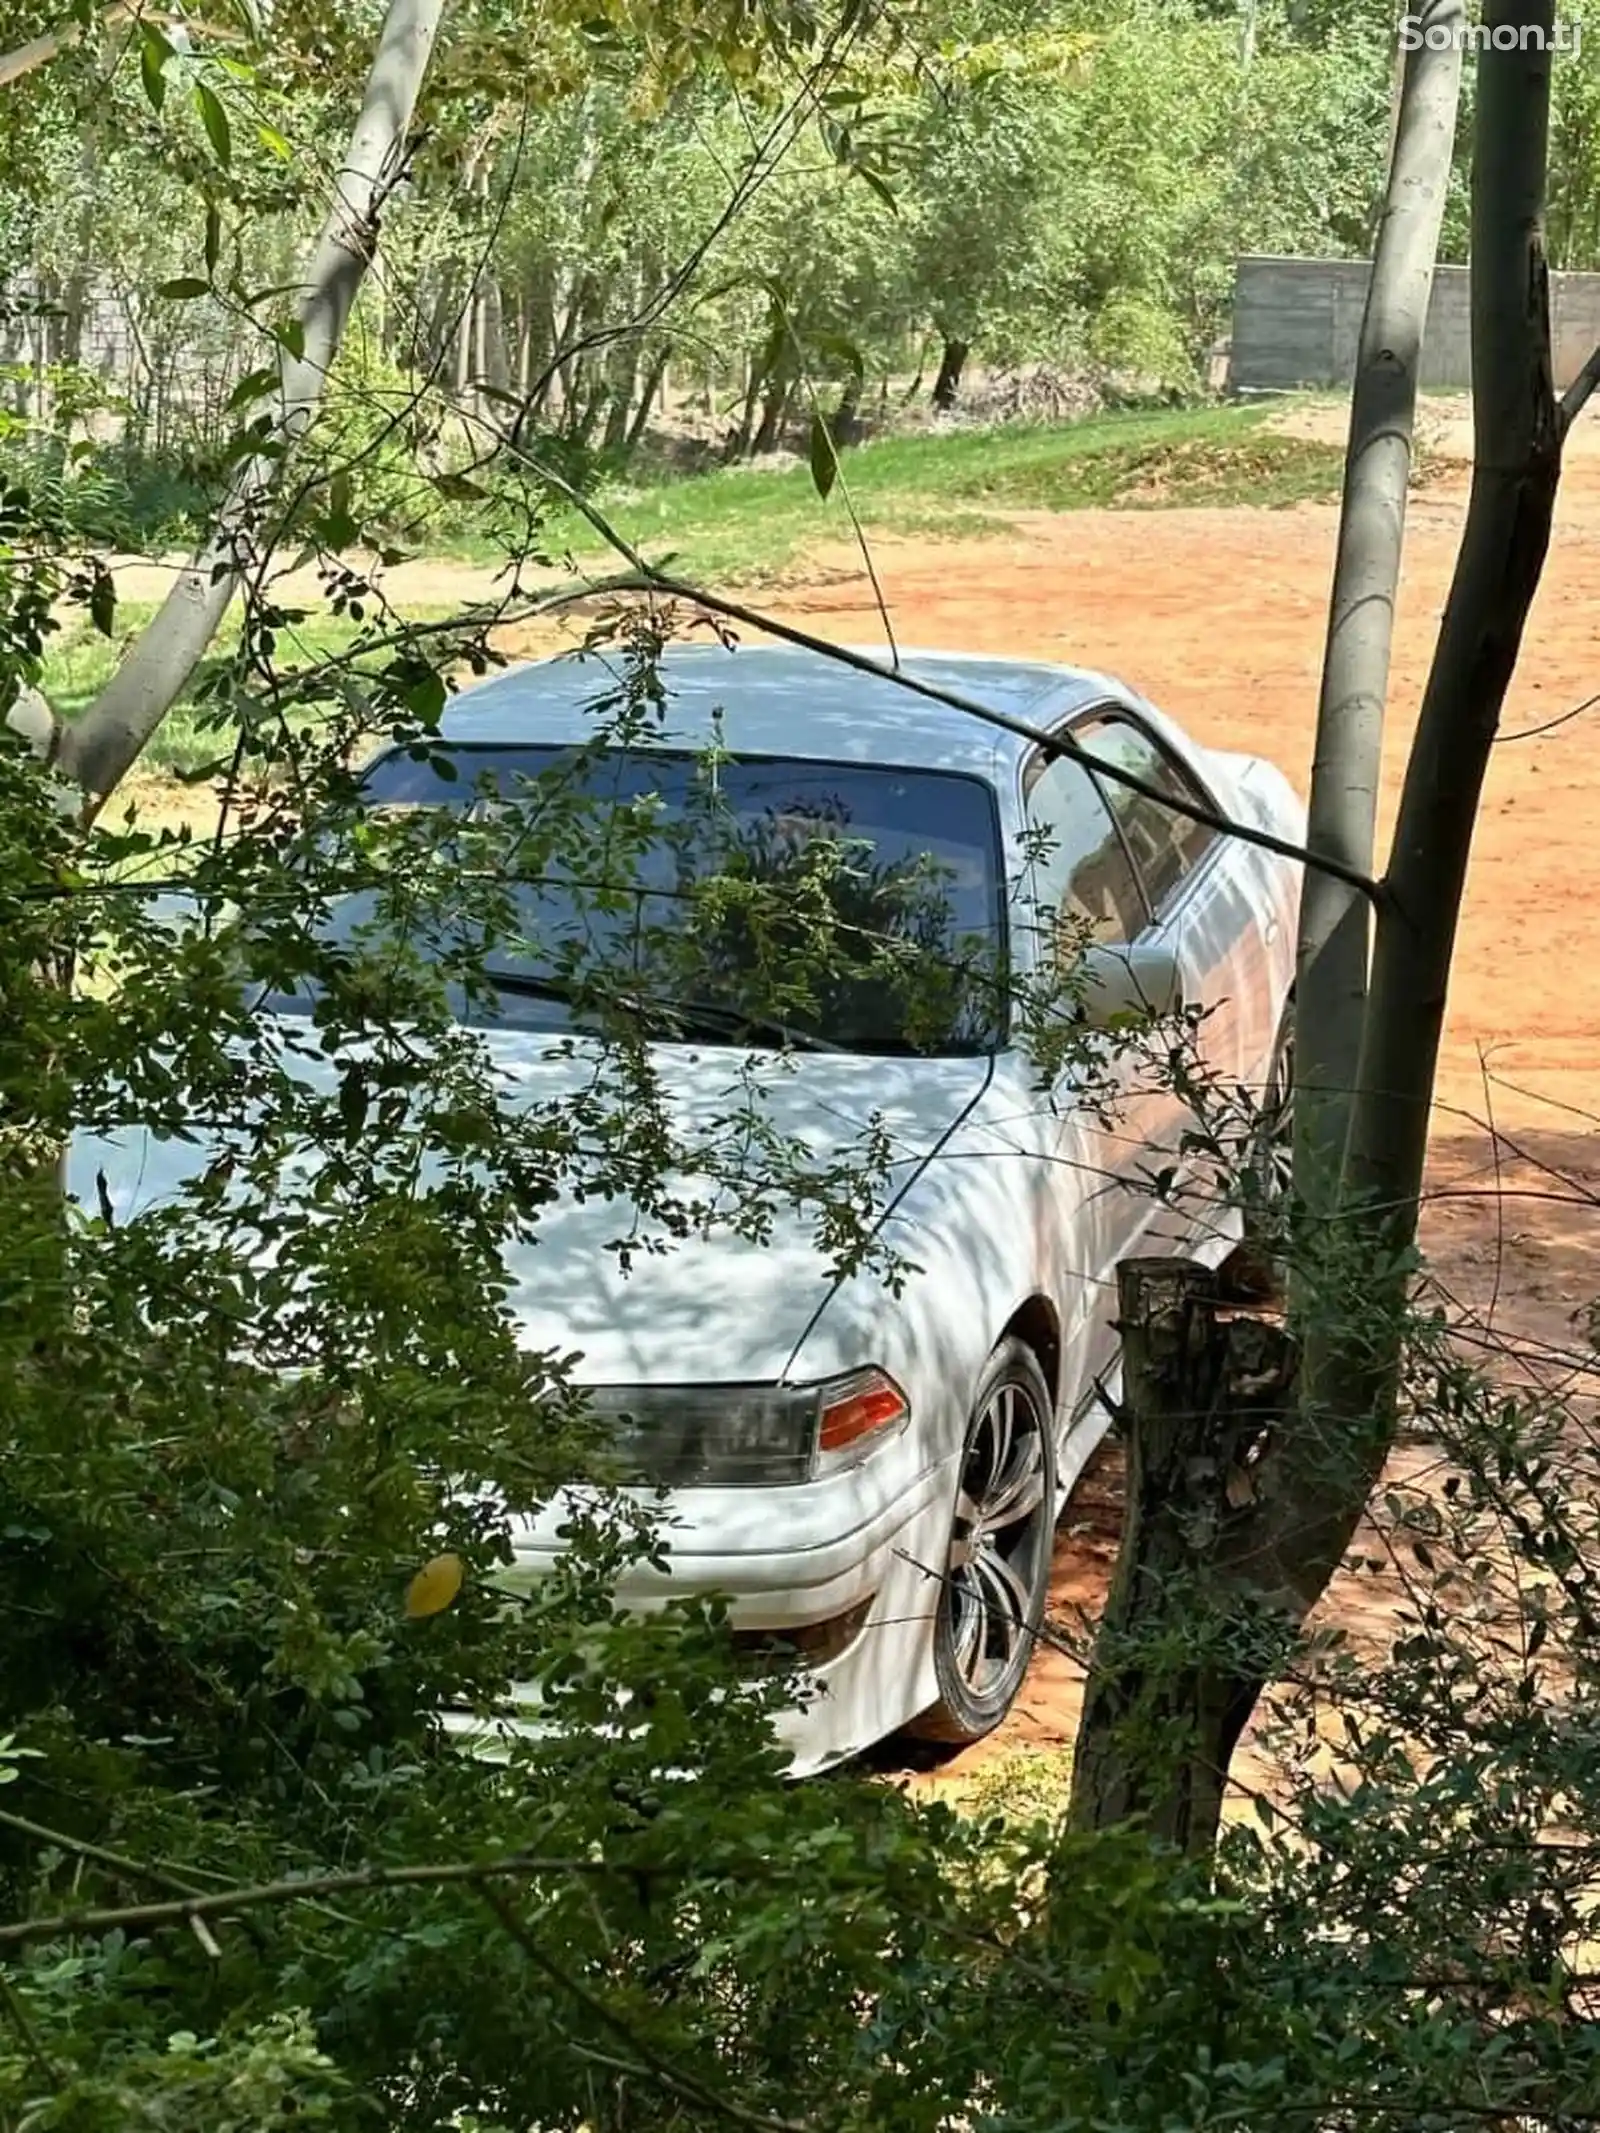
681,1017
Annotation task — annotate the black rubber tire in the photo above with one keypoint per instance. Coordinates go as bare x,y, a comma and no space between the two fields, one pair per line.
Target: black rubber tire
968,1709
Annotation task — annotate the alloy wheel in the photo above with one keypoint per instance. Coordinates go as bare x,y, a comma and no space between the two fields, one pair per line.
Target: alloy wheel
1000,1545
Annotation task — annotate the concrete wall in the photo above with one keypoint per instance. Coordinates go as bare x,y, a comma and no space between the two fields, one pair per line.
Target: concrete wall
1297,322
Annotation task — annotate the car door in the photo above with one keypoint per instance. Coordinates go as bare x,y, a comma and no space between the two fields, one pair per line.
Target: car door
1203,908
1102,1112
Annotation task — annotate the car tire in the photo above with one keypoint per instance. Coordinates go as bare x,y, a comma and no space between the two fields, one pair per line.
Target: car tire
996,1574
1274,1137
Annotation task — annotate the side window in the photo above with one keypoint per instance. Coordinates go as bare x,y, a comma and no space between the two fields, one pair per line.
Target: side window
1166,847
1080,865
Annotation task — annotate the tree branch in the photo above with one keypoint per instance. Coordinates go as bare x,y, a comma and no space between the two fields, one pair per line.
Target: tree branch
1576,397
1054,745
659,2068
39,51
184,1911
118,1862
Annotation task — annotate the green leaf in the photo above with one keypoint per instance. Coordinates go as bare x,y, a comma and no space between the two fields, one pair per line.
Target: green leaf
824,458
154,52
426,697
292,336
254,385
185,286
213,238
871,179
457,489
274,143
215,121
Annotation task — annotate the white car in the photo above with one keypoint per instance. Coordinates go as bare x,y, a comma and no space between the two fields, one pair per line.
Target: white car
875,1479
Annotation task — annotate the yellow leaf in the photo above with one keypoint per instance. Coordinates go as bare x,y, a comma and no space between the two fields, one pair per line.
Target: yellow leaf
434,1586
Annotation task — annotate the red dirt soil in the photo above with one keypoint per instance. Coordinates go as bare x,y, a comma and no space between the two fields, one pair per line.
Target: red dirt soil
1218,616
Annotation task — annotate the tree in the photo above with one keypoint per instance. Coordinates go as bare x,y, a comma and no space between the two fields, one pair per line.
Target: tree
1264,1443
97,750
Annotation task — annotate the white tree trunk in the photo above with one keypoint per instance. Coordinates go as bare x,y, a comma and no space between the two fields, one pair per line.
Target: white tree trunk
98,749
1335,924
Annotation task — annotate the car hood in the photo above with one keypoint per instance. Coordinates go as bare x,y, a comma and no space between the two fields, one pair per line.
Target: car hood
711,1307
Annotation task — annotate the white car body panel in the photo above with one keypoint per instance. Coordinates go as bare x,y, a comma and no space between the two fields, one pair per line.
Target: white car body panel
1000,1194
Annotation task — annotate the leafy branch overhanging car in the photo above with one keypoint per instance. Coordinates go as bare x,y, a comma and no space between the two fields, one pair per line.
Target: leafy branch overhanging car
874,1478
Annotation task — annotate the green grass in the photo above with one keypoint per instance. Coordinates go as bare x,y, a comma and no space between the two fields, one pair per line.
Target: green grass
80,661
748,524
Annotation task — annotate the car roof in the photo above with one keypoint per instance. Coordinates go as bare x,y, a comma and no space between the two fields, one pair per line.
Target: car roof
783,700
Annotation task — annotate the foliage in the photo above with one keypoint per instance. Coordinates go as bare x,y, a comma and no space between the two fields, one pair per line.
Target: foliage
236,1429
1015,180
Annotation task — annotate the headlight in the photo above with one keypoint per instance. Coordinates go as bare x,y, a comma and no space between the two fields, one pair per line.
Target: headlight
732,1436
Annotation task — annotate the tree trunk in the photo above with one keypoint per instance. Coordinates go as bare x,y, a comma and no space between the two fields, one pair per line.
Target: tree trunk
1352,1356
1309,1488
947,384
777,401
844,425
1334,920
1205,1382
739,442
99,749
1517,438
539,375
522,362
622,382
654,385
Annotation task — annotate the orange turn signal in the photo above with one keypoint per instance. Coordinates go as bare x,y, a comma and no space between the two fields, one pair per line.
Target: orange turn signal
860,1407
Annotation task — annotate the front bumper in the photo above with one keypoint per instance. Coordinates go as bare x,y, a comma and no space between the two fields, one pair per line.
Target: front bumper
790,1558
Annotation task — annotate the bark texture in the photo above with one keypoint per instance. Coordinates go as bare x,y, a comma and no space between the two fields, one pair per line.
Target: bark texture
1186,1641
1335,922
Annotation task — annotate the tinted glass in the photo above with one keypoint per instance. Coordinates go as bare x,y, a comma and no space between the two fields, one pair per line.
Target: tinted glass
900,868
1167,847
1080,866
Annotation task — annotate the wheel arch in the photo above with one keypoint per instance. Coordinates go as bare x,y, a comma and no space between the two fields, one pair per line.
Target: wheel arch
1037,1323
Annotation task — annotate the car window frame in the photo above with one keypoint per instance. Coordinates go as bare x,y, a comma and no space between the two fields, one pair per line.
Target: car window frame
1035,765
1109,709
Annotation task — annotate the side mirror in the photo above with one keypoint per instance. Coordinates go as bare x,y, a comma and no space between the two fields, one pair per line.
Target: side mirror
1130,978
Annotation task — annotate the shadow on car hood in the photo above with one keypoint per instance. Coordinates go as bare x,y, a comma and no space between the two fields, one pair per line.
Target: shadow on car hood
715,1305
